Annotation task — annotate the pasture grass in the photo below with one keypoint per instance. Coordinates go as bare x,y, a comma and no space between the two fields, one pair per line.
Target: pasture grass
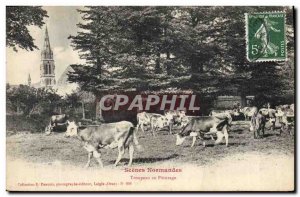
39,148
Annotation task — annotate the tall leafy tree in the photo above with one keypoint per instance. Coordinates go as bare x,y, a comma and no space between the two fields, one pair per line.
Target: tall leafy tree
18,18
155,48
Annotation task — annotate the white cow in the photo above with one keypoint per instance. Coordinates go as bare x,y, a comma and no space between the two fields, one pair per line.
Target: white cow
112,135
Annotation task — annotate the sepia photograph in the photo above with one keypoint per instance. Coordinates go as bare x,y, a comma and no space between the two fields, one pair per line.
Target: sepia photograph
150,98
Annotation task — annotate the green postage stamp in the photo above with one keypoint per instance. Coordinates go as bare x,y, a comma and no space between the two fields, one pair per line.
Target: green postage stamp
265,36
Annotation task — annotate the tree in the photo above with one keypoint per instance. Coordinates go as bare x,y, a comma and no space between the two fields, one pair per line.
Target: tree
155,48
29,99
18,18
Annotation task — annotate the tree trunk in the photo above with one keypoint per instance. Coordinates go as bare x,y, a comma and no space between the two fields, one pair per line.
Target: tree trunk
83,112
157,65
168,63
98,113
99,66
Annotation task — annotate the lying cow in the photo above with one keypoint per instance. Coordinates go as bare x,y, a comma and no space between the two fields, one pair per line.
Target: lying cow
55,121
112,135
205,125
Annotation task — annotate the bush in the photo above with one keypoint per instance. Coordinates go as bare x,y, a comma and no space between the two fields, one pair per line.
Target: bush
34,123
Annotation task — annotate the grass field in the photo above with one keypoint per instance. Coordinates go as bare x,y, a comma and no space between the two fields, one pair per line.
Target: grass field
39,148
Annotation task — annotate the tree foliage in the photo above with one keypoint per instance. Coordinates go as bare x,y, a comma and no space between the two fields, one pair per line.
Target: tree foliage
18,18
156,48
29,100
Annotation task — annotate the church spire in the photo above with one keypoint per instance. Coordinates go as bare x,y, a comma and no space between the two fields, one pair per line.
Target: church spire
29,80
47,52
47,63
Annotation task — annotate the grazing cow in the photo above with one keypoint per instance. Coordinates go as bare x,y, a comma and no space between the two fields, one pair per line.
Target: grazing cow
285,116
270,115
235,114
292,107
249,112
174,117
205,125
55,121
186,119
112,135
257,125
143,119
159,122
216,112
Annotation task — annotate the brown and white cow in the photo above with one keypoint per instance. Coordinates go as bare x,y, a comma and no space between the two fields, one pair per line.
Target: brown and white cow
249,112
285,116
120,134
158,121
257,125
205,125
144,119
270,116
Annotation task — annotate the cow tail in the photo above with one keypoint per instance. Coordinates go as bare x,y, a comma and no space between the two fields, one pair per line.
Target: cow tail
132,132
135,139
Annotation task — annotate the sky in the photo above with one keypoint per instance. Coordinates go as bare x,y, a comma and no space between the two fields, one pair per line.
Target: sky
61,23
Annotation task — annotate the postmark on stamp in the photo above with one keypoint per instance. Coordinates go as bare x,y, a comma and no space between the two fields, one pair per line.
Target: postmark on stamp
265,36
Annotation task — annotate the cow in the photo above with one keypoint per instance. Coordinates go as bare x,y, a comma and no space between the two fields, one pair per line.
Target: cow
285,116
144,119
257,125
270,115
216,112
235,114
249,112
159,121
120,134
174,118
55,121
205,125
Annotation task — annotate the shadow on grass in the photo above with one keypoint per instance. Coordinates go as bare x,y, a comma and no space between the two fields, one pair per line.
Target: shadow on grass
147,160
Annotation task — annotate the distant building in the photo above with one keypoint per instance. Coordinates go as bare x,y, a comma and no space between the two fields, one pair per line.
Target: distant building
47,67
47,72
63,86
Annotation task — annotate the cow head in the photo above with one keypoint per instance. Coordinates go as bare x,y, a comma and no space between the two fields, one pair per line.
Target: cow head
72,129
179,139
169,118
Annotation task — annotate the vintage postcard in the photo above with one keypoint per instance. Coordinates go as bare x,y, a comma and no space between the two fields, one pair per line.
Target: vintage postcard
150,98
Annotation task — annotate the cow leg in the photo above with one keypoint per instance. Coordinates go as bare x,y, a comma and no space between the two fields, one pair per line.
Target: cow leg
90,154
154,130
219,137
263,130
170,128
226,137
97,156
131,150
194,140
121,152
142,127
